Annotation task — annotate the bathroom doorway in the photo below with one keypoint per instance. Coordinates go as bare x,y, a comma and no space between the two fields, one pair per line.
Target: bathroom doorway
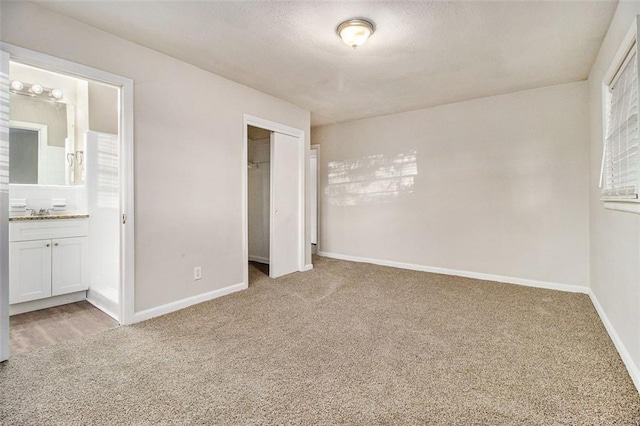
67,230
273,223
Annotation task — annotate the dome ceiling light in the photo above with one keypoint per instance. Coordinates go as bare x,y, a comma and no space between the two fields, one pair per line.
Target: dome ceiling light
355,32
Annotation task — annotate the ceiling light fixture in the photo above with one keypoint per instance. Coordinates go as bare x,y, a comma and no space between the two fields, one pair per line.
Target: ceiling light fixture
354,32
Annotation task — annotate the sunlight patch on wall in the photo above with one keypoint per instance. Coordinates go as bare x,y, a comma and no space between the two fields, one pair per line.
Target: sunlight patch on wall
374,179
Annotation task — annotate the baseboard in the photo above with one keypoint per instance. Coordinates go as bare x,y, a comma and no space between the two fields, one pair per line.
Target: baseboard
103,303
458,273
307,267
49,302
632,368
184,303
259,259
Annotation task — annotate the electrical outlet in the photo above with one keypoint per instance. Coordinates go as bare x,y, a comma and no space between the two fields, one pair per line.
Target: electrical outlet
197,273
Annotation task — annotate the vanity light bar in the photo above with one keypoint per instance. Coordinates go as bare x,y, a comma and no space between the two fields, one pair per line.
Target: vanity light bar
36,91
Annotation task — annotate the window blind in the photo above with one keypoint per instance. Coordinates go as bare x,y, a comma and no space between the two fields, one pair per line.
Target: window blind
621,165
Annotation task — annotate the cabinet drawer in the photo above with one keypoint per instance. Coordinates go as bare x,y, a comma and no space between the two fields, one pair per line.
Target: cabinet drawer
48,229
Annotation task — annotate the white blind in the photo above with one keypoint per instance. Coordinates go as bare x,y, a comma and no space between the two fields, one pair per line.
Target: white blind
621,169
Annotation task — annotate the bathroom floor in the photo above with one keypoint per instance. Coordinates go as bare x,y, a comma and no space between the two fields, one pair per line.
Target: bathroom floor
33,330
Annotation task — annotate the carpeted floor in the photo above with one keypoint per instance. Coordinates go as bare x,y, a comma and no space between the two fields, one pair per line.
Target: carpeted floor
345,343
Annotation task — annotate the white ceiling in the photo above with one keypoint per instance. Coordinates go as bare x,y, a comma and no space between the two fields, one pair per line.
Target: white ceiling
422,53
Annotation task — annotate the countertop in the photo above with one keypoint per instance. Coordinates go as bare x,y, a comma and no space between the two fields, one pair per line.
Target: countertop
50,217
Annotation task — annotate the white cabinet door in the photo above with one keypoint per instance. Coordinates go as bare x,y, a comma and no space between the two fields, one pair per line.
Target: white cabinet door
29,270
70,265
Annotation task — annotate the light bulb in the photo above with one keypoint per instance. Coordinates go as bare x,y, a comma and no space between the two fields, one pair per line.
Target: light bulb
56,93
17,85
37,89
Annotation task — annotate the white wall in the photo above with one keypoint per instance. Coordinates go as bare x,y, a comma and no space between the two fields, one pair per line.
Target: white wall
258,197
615,236
496,185
103,108
188,147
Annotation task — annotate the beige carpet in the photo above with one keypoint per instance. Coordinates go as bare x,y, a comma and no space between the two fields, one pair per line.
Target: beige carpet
345,343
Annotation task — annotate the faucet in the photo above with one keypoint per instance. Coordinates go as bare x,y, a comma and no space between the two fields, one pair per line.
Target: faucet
42,212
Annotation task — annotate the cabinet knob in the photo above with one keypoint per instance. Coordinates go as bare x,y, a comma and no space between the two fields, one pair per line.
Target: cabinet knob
48,245
56,244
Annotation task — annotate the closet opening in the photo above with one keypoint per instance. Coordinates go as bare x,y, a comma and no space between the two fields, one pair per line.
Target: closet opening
273,193
258,200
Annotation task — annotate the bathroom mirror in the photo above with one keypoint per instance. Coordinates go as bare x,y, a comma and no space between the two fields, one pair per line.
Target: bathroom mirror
42,148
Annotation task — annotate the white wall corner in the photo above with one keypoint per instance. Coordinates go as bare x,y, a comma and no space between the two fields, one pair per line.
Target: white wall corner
308,267
185,303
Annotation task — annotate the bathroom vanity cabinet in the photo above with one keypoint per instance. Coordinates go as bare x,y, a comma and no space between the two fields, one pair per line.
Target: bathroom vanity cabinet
48,257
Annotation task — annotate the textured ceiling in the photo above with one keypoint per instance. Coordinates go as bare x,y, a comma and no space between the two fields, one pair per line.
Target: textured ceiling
422,53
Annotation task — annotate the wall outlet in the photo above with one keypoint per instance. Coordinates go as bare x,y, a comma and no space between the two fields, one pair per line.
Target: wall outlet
197,273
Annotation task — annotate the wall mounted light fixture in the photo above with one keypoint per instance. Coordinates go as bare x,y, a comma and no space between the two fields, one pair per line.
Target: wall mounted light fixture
36,91
354,32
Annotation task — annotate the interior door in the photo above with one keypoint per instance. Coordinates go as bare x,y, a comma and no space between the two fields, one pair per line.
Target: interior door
285,210
4,206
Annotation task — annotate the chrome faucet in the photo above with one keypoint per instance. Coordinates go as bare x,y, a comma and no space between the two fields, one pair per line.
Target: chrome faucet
42,212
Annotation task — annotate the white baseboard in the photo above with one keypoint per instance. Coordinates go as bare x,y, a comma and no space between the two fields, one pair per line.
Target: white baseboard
259,259
307,267
632,368
458,273
49,302
103,303
184,303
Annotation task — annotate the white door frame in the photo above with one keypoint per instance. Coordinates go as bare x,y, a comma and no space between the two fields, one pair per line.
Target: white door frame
250,120
316,147
127,264
4,206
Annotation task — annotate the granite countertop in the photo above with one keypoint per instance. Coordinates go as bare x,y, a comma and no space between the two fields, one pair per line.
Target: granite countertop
50,217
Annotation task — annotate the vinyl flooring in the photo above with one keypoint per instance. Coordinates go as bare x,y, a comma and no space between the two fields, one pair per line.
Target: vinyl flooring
33,330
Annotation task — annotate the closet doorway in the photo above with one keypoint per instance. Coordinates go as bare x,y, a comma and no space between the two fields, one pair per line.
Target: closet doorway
273,197
258,196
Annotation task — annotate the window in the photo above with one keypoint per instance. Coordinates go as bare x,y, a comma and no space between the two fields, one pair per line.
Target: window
620,174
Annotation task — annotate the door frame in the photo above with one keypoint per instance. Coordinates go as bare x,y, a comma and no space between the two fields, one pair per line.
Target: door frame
4,206
250,120
316,148
126,121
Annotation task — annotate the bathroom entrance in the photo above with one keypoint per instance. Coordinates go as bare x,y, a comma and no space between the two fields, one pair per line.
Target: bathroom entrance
273,199
66,222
